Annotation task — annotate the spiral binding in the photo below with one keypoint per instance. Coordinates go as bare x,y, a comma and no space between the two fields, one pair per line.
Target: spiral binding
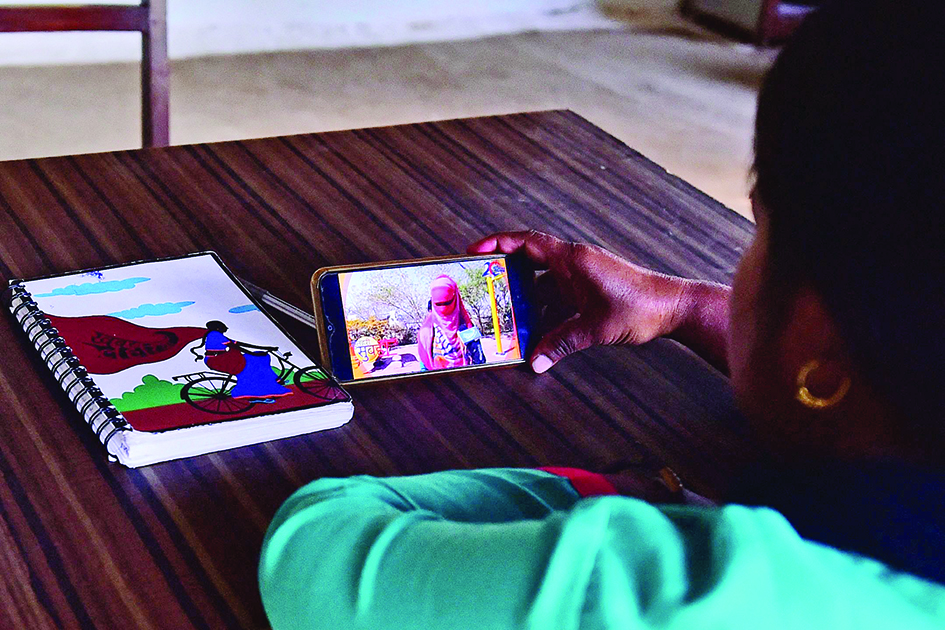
66,368
52,339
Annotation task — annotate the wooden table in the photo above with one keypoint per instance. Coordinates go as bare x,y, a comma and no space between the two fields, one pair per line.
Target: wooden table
85,543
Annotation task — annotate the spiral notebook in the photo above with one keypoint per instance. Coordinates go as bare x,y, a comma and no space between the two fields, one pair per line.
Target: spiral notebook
173,358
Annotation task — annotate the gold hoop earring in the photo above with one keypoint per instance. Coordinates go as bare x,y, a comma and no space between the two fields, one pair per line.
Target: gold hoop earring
813,402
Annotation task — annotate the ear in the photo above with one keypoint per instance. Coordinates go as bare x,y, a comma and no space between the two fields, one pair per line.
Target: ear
811,334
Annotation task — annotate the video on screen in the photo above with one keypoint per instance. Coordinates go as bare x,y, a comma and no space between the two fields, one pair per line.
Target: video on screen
403,320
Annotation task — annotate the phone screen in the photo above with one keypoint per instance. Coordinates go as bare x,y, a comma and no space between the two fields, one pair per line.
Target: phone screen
431,316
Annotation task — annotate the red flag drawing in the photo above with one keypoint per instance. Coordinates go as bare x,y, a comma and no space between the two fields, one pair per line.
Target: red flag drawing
106,344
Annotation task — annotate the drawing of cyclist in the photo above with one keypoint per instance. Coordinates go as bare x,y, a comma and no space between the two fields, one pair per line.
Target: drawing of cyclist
254,375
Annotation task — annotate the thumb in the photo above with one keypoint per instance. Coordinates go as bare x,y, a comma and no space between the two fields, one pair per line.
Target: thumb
570,337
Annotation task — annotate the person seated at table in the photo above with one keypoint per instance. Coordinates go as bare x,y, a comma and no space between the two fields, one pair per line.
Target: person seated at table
833,334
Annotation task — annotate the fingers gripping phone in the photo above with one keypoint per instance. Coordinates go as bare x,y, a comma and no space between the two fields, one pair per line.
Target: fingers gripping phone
398,319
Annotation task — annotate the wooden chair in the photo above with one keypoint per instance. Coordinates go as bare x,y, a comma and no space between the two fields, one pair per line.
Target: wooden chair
148,18
762,22
779,20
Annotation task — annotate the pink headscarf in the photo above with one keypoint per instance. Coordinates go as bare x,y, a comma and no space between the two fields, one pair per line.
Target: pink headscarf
448,314
447,305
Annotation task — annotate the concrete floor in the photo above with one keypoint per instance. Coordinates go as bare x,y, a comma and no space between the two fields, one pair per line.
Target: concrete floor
684,99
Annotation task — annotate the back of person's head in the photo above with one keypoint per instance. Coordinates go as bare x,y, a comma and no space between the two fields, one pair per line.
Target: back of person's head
849,156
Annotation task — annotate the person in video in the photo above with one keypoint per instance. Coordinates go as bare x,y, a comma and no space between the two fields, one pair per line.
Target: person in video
253,371
438,342
833,336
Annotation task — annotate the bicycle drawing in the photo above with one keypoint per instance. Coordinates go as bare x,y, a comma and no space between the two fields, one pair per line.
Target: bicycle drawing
211,390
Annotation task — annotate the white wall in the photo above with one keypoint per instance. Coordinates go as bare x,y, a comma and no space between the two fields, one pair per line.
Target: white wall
213,27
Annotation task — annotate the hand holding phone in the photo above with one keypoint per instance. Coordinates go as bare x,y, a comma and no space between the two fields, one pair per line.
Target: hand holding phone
404,318
589,296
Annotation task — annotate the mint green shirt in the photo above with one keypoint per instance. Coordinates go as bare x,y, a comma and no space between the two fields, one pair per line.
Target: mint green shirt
515,548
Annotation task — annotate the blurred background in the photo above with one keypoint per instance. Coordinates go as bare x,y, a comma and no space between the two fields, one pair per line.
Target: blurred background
677,91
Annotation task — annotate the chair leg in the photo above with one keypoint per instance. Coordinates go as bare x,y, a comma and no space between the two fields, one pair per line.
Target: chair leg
155,77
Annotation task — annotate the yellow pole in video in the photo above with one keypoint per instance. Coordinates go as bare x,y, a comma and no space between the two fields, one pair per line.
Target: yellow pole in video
495,315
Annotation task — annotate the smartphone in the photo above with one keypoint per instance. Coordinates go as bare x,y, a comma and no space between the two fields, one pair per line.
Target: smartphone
398,319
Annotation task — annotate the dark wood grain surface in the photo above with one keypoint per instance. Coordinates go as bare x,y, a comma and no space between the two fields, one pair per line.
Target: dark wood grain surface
85,543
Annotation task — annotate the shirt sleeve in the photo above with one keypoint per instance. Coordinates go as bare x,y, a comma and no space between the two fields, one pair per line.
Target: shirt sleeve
514,548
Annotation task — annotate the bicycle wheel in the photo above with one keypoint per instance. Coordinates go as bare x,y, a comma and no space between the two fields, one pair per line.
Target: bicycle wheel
315,382
212,395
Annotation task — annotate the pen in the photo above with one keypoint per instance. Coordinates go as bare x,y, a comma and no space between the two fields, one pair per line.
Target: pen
280,305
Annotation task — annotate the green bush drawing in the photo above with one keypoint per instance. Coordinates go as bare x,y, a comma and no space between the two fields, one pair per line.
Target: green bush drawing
153,392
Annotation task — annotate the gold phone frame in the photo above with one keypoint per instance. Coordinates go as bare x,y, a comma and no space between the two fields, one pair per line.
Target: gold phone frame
323,349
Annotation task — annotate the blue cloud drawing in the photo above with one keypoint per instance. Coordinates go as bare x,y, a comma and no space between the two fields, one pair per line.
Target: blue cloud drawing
244,309
152,310
89,288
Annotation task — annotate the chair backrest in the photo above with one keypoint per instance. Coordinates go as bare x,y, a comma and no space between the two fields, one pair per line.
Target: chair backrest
148,18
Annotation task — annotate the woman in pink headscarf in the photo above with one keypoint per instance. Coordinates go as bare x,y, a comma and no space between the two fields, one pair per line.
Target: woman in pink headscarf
439,345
